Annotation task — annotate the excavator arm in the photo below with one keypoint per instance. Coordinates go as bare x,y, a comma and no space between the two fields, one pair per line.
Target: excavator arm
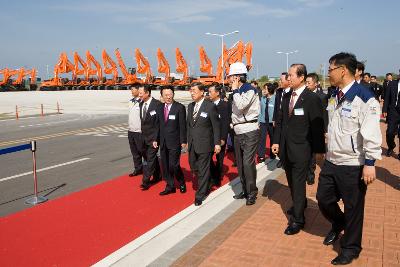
78,61
143,65
181,66
6,75
109,66
163,65
248,51
205,62
129,78
93,68
219,73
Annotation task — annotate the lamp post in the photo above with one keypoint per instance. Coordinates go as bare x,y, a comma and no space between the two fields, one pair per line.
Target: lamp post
222,50
287,57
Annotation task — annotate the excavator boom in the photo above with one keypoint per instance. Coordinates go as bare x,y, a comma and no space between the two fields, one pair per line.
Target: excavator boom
181,66
163,65
129,78
205,62
143,65
93,68
110,67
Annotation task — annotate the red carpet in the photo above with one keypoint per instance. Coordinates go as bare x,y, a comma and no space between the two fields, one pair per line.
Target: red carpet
84,227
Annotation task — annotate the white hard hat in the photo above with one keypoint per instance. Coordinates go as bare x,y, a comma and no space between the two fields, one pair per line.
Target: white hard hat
237,68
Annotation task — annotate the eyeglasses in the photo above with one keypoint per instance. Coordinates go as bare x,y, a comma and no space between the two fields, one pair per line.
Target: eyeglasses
330,70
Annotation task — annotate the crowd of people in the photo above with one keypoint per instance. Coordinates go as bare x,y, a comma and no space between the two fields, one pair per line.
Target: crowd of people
339,129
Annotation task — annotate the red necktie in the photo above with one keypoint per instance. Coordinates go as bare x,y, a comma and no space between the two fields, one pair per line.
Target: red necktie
291,104
166,111
340,95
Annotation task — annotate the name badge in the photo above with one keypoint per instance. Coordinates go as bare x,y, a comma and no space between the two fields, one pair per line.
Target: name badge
219,116
171,117
203,114
346,112
299,111
152,113
137,107
271,105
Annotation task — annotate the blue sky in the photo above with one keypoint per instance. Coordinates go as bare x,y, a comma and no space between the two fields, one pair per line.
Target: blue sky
34,33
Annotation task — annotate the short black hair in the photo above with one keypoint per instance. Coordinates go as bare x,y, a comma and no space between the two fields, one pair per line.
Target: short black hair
286,74
301,70
170,87
367,74
146,88
199,85
373,76
313,76
135,86
361,66
255,82
389,74
271,87
345,59
217,87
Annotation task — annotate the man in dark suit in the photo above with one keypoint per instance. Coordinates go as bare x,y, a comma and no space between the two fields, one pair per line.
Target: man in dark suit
389,78
299,132
391,111
377,88
312,85
150,129
203,130
223,113
172,117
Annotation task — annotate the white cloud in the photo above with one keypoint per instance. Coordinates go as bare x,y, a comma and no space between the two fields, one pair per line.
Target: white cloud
315,3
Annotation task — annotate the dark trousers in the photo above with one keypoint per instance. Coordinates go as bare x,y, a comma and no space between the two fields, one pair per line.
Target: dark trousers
217,167
266,129
170,160
393,128
343,182
296,173
152,168
136,146
200,163
312,167
245,151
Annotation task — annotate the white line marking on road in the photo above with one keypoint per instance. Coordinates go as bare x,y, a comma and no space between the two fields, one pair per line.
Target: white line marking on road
49,123
43,169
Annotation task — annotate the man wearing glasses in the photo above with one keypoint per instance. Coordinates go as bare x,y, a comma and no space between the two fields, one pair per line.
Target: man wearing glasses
354,143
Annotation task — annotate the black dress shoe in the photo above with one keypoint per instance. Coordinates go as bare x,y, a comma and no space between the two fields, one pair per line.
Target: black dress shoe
310,180
155,180
293,229
343,260
240,196
198,202
250,201
135,173
145,186
389,152
182,188
167,192
331,237
234,164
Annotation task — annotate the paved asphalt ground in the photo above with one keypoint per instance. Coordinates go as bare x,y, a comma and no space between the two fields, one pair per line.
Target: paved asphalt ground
93,147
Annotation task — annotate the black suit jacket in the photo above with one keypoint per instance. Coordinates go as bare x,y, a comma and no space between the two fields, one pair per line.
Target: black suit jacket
278,97
299,136
385,86
150,124
324,101
204,132
391,96
223,112
173,131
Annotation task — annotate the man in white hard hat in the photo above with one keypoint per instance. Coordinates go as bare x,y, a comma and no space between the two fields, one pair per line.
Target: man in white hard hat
245,110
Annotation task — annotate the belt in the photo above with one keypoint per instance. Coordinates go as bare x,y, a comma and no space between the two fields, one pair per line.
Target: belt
244,122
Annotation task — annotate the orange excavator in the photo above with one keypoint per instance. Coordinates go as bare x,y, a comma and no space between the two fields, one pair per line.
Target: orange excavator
80,69
6,76
109,68
143,66
181,67
22,73
63,66
129,78
93,69
163,67
205,62
17,84
248,52
219,73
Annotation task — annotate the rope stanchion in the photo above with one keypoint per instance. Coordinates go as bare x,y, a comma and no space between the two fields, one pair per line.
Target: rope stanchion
58,108
32,146
41,110
16,112
35,199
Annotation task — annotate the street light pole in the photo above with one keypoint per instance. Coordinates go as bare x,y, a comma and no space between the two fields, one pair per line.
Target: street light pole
287,57
222,50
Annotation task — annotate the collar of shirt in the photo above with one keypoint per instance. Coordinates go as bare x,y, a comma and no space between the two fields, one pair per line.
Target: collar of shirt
200,102
347,87
216,102
300,90
286,90
148,102
316,90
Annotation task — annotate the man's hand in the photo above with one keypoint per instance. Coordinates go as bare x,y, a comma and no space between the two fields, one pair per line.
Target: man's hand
319,157
217,149
275,149
222,142
368,174
384,114
235,83
155,145
184,146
